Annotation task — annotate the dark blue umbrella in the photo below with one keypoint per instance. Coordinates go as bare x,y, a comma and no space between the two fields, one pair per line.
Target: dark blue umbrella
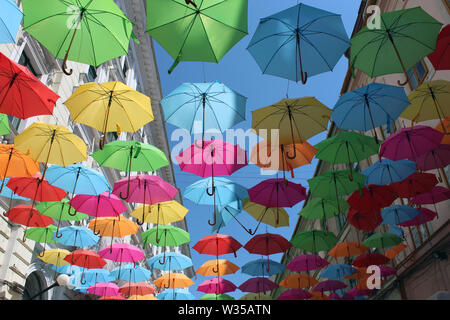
386,171
259,267
396,214
338,271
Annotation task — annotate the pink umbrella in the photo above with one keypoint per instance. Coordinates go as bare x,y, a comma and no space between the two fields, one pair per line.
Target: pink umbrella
425,216
329,285
346,296
410,143
387,271
307,262
295,294
145,189
122,252
355,292
104,289
103,205
258,284
437,158
436,195
217,286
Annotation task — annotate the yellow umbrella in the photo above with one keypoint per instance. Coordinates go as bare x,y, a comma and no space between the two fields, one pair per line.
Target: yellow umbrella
161,213
109,107
173,281
146,297
113,227
275,217
296,119
218,267
428,102
55,257
256,296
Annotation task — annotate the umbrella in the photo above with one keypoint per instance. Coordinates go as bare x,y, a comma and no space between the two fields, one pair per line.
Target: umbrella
323,209
258,284
294,294
27,216
55,257
403,39
329,285
142,297
113,227
20,89
97,276
122,252
436,195
4,125
131,273
272,156
217,244
205,31
337,271
355,292
364,220
267,244
386,171
444,127
67,268
173,281
429,102
298,42
415,184
346,296
424,217
42,235
382,240
176,294
86,259
398,213
226,213
8,193
346,147
51,144
373,197
116,297
138,288
259,267
10,18
90,32
314,240
347,249
256,296
214,104
273,216
213,296
110,106
395,250
307,262
173,261
77,236
368,259
104,289
275,193
218,267
369,107
441,56
161,213
217,286
130,156
287,115
298,281
437,158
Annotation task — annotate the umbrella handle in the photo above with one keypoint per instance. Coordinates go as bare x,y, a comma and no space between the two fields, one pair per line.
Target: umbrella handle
215,218
58,235
41,254
304,76
202,146
214,270
129,176
64,65
213,190
164,259
191,2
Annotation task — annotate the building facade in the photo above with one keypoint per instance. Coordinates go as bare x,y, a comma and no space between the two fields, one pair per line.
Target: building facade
22,274
423,268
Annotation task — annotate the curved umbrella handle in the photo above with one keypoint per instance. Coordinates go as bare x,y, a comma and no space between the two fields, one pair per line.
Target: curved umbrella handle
64,65
403,83
213,190
295,153
168,284
304,76
164,258
70,214
191,2
82,280
202,146
214,270
58,235
41,254
268,265
215,218
128,189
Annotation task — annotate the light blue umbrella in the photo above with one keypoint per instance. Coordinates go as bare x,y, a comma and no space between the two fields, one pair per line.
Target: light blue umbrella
386,171
131,273
213,105
8,193
67,269
76,236
369,107
338,271
398,231
94,276
226,213
299,42
259,267
172,261
75,280
396,214
175,294
10,19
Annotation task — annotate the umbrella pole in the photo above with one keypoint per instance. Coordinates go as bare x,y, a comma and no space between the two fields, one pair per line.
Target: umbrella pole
82,281
215,217
444,176
57,234
436,106
157,224
337,196
143,208
292,134
350,177
249,231
120,263
164,248
96,216
366,100
304,75
64,65
399,59
129,172
73,191
203,122
6,169
112,236
105,126
259,222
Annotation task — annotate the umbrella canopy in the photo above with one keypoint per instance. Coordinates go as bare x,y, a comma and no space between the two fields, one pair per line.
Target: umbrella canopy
382,240
217,244
368,259
213,104
258,284
403,39
307,262
294,294
287,115
218,267
275,217
441,56
138,288
436,195
205,31
337,271
347,249
113,227
10,18
67,268
275,193
213,296
14,163
322,209
259,267
397,214
434,159
131,273
415,184
172,281
122,252
298,281
314,240
217,286
226,213
95,276
4,124
176,294
142,297
21,89
329,285
161,213
298,42
86,259
386,171
104,289
116,297
365,220
425,216
102,205
35,188
256,296
89,32
27,216
395,250
355,292
444,127
42,235
76,236
174,261
55,257
373,197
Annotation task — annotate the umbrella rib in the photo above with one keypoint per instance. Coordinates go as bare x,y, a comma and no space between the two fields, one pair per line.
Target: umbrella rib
223,23
277,51
280,34
207,37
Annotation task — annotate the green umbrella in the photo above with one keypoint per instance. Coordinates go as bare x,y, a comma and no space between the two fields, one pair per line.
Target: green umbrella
322,209
213,296
86,31
314,240
382,240
197,30
4,125
59,210
41,235
346,147
402,40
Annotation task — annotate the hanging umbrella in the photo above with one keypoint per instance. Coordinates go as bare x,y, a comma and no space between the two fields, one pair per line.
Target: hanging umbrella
176,294
131,273
259,267
403,39
142,297
314,240
256,296
294,294
287,115
368,259
130,156
4,125
20,89
346,296
113,227
205,31
173,281
122,252
415,184
225,214
77,236
398,213
41,235
429,102
27,216
272,156
138,288
67,268
213,296
213,104
104,289
360,293
10,18
436,195
275,217
218,267
217,244
86,259
395,250
116,297
217,286
160,213
90,32
298,281
382,240
441,56
364,220
307,262
299,42
424,217
110,107
444,127
258,284
8,193
337,271
55,257
97,276
347,249
329,285
322,209
437,158
173,261
275,193
386,171
373,197
346,147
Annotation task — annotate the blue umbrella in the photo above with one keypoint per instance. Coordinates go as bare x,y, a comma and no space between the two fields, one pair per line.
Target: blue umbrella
386,171
299,42
94,276
75,281
67,269
131,273
175,294
8,193
369,107
76,236
173,261
223,192
392,228
214,105
10,19
396,214
226,213
338,271
259,267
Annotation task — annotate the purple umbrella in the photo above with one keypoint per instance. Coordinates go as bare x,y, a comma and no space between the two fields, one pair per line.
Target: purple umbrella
346,296
307,262
329,285
437,158
355,292
257,285
425,216
295,294
436,195
217,286
276,193
387,271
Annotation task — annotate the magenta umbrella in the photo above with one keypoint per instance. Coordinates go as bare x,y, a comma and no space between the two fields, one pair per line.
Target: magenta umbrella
103,205
307,262
436,195
257,285
295,294
104,289
437,158
329,285
217,286
122,252
145,189
355,292
410,143
425,216
346,296
387,271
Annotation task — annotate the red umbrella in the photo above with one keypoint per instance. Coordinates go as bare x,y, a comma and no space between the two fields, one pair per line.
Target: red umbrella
415,184
217,244
369,259
425,216
137,288
329,285
440,58
27,216
86,259
364,220
435,159
372,197
22,95
257,285
436,195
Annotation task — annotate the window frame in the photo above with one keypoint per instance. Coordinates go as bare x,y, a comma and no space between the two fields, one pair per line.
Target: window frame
420,80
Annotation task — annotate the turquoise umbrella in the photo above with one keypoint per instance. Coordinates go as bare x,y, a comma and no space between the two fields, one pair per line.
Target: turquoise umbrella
10,19
173,261
175,294
131,273
76,236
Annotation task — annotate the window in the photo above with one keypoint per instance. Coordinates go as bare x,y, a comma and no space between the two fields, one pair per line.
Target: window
125,67
15,122
92,73
417,75
33,286
447,5
25,61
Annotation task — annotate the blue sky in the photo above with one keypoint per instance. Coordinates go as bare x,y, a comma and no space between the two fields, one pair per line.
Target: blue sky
239,71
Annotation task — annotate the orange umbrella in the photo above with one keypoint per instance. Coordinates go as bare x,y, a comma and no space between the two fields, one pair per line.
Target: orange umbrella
395,250
348,249
440,128
113,227
262,156
173,281
298,281
145,297
318,295
218,267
